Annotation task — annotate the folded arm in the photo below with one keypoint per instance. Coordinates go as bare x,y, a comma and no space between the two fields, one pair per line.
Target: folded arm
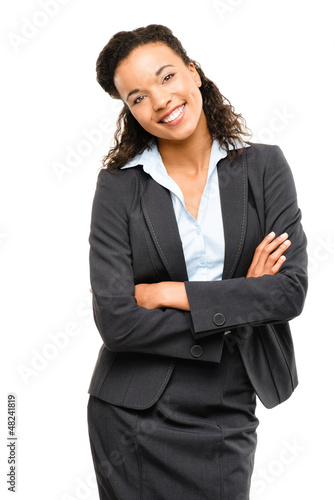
259,299
270,292
123,324
164,318
268,258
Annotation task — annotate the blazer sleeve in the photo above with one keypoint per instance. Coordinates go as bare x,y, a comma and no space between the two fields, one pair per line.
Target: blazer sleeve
241,301
123,325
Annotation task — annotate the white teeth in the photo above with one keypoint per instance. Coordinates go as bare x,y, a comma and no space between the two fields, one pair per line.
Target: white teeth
174,115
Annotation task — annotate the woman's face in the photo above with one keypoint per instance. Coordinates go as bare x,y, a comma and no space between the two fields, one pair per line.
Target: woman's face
161,92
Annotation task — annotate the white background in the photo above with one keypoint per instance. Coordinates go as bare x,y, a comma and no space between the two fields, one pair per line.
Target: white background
271,59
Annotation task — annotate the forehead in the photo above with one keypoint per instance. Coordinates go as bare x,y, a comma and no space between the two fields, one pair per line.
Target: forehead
150,54
143,62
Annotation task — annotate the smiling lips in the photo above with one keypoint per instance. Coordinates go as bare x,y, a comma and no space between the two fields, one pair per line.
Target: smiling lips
173,115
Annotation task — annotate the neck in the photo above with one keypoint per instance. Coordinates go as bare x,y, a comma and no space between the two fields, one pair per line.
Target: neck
192,154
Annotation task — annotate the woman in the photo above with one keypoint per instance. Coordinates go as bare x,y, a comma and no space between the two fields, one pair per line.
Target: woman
193,278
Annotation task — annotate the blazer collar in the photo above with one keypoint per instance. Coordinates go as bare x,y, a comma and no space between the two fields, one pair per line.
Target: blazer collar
151,159
159,213
233,187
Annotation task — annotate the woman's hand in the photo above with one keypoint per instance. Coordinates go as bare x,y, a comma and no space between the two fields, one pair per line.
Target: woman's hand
162,294
148,295
268,256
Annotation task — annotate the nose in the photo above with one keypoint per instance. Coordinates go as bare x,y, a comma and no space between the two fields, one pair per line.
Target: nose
160,99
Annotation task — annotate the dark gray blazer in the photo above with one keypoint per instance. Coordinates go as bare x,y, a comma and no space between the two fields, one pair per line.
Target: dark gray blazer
134,239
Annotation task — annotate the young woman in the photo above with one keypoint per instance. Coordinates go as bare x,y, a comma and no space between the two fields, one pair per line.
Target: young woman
197,262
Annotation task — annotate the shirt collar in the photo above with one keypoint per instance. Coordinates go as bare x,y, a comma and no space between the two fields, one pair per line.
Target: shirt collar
153,165
151,159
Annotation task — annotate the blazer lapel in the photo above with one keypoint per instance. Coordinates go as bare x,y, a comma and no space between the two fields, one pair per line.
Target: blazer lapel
233,187
159,213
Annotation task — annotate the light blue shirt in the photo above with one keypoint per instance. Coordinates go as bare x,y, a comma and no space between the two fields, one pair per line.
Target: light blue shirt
202,239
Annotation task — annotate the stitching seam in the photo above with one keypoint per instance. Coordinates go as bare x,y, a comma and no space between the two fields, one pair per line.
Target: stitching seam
155,237
157,394
243,219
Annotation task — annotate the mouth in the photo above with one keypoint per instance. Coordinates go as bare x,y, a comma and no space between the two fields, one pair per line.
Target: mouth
173,116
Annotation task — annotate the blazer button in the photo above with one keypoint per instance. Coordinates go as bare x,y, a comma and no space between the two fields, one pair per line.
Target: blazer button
219,319
196,351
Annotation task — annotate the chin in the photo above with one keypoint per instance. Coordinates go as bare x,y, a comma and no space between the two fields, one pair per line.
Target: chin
178,135
185,135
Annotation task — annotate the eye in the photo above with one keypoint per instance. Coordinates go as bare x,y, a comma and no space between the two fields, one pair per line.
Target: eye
168,77
138,99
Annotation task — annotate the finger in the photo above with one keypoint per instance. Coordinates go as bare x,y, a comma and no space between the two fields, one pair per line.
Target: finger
268,250
264,243
278,264
266,240
276,242
90,290
279,252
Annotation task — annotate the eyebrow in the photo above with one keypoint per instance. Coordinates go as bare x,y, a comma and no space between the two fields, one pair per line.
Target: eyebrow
157,73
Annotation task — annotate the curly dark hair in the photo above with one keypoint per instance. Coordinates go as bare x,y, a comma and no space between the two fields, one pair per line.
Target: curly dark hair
130,137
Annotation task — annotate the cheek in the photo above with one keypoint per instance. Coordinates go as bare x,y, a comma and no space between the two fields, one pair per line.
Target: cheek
144,118
141,115
196,97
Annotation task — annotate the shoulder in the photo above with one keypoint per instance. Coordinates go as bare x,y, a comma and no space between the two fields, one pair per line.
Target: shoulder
118,180
265,159
263,152
268,170
116,190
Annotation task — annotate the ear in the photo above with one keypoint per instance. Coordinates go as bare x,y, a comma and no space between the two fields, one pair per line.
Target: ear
195,74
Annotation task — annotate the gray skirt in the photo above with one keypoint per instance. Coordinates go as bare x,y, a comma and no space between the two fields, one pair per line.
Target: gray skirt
196,443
